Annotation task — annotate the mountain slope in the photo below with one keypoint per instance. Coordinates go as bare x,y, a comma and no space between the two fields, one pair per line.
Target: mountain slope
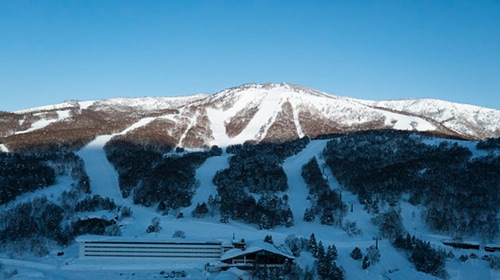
464,119
252,112
393,262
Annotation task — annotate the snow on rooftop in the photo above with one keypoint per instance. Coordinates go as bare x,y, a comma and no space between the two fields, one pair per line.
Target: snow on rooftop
255,246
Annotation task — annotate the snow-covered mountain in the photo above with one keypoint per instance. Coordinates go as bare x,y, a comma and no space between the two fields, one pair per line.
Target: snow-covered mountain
256,113
251,112
104,181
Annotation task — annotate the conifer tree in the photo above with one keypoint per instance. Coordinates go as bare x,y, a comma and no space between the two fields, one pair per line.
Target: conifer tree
331,253
366,263
313,246
336,273
323,266
309,215
269,239
356,254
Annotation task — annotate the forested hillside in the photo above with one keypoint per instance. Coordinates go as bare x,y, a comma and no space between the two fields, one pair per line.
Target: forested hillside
257,170
22,173
461,193
455,182
155,174
36,224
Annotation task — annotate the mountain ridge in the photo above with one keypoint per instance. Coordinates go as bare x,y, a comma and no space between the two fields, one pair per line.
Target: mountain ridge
250,112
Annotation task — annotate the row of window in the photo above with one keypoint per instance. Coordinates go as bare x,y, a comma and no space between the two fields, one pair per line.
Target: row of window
149,252
149,256
156,243
154,248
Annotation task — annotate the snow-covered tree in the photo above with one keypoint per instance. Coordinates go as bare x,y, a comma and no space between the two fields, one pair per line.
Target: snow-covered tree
366,262
179,234
373,254
313,245
155,226
331,253
309,215
269,239
200,211
356,254
322,264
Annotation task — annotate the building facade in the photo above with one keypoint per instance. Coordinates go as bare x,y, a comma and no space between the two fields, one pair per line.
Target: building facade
116,247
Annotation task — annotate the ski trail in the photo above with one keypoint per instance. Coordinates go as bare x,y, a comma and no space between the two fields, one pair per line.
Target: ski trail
297,187
191,124
104,182
204,174
103,177
355,211
296,121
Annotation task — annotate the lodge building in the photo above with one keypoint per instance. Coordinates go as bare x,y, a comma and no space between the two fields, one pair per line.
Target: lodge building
237,254
116,247
258,255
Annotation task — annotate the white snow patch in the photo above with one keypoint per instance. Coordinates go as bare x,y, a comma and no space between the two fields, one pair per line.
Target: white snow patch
217,127
140,123
85,104
300,133
402,122
151,103
61,115
103,177
3,148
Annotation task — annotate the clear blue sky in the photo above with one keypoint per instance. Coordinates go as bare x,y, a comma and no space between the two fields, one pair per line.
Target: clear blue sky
51,51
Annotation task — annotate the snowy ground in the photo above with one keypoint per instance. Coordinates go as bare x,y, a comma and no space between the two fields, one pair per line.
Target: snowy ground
393,264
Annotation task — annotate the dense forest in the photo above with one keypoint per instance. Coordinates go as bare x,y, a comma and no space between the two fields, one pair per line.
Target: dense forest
257,169
156,174
326,203
37,224
22,173
459,192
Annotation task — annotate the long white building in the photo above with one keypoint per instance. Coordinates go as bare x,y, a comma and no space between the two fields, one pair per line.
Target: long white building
92,246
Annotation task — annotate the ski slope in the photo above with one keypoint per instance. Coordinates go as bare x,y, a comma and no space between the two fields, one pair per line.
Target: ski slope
104,181
103,177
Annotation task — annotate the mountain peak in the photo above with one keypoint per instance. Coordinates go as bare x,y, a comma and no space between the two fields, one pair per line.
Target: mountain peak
274,88
250,112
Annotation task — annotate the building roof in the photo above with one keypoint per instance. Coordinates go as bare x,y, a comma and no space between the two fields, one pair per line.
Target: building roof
254,247
121,239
